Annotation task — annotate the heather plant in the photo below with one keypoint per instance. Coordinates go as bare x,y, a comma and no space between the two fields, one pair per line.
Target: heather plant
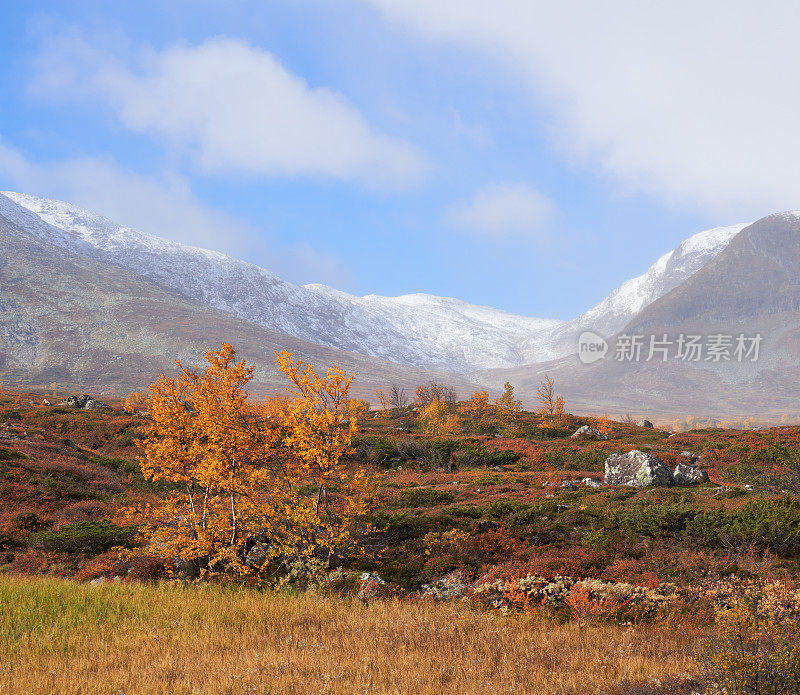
755,648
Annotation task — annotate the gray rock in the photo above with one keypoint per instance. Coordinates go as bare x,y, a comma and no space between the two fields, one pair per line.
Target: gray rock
689,455
591,482
568,485
645,423
372,587
257,555
637,468
85,402
689,475
587,432
453,585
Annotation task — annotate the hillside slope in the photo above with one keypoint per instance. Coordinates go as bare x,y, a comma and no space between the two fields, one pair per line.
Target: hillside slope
752,287
420,330
66,317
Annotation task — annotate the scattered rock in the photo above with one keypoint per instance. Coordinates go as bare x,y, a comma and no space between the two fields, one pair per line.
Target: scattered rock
453,585
587,432
372,587
689,475
637,468
689,455
591,482
45,402
568,485
645,423
747,487
722,490
485,525
85,402
258,554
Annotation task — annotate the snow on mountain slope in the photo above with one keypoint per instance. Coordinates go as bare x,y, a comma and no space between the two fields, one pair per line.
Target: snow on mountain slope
416,329
420,330
618,308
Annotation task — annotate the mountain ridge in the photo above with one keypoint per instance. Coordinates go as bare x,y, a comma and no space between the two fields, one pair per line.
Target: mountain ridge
418,329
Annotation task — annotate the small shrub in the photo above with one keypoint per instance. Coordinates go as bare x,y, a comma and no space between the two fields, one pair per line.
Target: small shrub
424,497
468,510
503,508
90,537
576,459
11,455
756,645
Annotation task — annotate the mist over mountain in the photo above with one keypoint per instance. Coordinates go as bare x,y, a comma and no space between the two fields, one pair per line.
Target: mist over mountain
749,289
85,299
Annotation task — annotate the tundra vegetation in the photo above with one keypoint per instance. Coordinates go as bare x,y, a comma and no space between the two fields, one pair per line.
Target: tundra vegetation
196,539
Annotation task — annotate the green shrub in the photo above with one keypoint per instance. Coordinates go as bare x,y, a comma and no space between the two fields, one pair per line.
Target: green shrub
576,459
774,454
653,520
133,470
376,450
90,537
503,508
468,510
771,524
424,497
488,479
11,455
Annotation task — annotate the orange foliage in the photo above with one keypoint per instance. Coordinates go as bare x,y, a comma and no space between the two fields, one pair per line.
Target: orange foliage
585,607
478,405
437,420
551,406
603,424
239,468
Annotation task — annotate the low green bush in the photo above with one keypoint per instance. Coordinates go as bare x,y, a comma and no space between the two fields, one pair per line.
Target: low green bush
89,537
504,508
576,459
766,523
424,497
11,455
467,510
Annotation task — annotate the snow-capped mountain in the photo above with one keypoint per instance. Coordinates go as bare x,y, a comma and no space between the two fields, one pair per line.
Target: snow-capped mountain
418,329
626,301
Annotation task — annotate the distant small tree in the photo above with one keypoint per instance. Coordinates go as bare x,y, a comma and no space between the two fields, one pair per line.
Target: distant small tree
508,407
434,391
551,406
478,405
398,397
437,419
383,402
603,424
357,408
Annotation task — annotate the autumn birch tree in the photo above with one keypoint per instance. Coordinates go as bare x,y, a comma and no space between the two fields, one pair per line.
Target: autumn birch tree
240,468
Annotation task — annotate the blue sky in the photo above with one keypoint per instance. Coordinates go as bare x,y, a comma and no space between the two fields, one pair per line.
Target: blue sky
523,156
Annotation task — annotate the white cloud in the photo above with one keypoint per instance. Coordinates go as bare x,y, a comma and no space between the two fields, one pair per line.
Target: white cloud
502,209
235,108
693,102
165,207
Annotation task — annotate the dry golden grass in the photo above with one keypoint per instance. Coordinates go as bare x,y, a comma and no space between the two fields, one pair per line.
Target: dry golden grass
64,637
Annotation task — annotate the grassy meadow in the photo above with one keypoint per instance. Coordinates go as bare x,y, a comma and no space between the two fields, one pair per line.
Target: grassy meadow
60,636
